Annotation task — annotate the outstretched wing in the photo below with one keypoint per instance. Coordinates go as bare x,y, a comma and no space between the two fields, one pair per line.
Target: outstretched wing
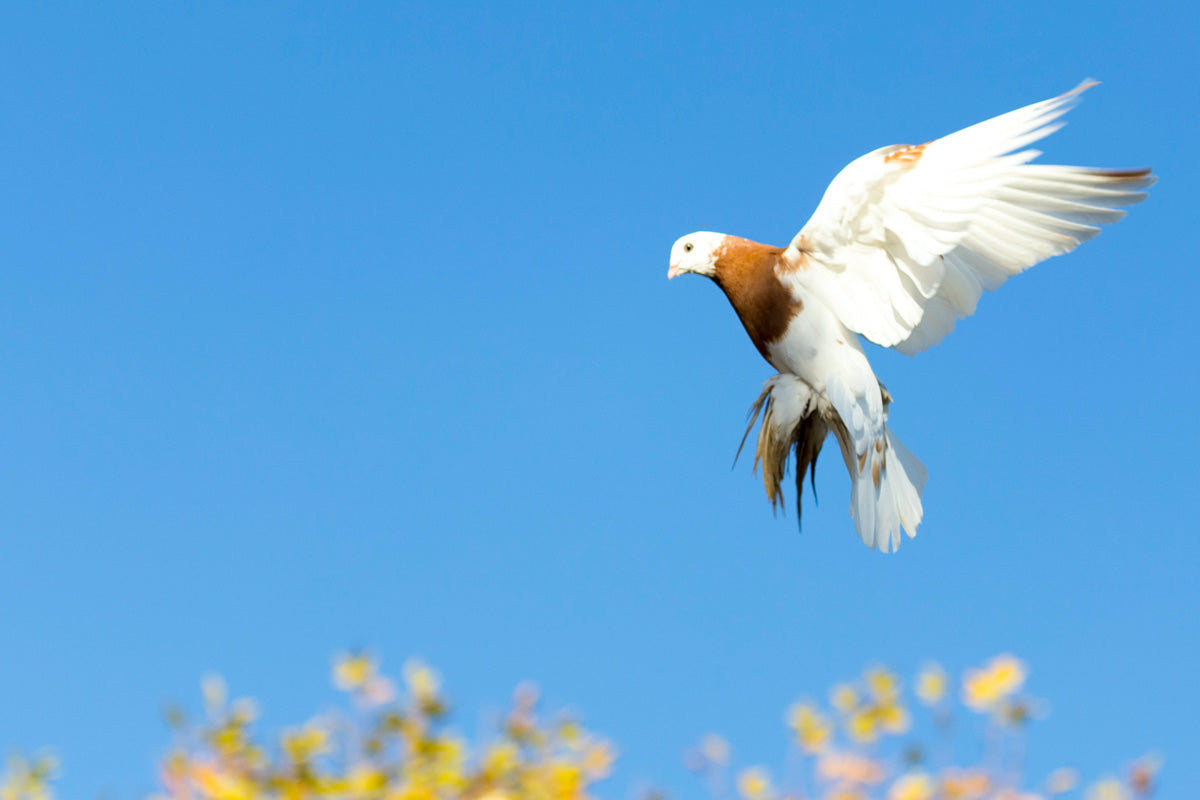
907,238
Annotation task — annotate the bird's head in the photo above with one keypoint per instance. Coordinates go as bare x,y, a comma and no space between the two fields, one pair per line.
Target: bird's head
696,252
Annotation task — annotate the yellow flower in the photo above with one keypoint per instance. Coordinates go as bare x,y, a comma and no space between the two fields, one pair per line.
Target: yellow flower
754,784
883,685
219,784
810,726
422,682
863,726
892,718
352,672
1107,789
449,778
844,698
28,780
231,738
913,786
931,684
413,792
566,781
302,745
449,749
364,780
500,760
570,732
398,753
444,760
985,688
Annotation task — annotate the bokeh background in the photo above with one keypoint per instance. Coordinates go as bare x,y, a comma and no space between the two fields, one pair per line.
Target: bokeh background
337,325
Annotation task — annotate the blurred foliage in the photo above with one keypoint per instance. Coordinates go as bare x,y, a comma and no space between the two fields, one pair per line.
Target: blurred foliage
864,745
393,742
28,779
389,744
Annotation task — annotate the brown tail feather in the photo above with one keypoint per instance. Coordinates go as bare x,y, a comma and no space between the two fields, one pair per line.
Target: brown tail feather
805,440
775,444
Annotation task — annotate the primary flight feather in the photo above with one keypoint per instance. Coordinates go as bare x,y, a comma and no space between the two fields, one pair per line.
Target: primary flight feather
901,246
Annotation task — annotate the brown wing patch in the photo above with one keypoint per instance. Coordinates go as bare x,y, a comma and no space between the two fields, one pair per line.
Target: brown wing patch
906,156
795,257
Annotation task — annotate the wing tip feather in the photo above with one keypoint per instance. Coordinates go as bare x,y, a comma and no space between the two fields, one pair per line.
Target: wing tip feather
1129,179
1084,85
1144,176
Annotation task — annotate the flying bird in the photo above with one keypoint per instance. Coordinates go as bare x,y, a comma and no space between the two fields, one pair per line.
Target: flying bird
901,246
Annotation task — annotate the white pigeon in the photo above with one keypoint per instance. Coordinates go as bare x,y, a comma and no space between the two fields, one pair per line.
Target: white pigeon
903,243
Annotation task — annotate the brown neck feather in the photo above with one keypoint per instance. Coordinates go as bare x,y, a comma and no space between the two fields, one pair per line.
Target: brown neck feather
745,271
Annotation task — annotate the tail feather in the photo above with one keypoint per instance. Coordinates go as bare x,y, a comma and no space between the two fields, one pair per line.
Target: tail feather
885,497
887,480
791,423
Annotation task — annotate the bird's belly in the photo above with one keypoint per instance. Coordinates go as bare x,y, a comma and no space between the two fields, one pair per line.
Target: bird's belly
814,346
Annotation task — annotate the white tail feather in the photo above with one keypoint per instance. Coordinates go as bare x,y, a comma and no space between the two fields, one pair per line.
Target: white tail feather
885,497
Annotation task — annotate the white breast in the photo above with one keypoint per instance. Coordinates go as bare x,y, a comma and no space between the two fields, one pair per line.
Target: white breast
816,344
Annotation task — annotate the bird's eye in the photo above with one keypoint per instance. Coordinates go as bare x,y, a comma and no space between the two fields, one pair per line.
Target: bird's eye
687,248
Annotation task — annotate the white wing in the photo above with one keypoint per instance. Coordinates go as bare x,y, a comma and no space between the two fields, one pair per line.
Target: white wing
906,238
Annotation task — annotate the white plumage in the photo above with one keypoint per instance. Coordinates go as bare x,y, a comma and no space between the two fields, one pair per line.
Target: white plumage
901,246
906,239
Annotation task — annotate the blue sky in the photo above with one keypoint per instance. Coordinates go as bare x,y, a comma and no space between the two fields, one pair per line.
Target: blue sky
329,325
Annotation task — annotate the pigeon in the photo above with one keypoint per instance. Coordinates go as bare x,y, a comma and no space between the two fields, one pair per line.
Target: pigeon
903,243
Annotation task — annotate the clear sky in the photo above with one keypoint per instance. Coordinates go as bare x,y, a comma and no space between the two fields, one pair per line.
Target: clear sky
348,324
